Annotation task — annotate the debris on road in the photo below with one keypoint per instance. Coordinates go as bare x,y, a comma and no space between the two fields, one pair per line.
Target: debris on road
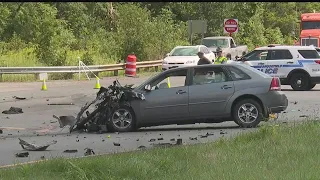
23,154
42,157
116,144
1,131
19,98
203,136
152,140
60,104
106,101
179,141
173,139
142,147
223,132
160,139
53,121
33,147
88,152
304,116
192,139
65,120
210,134
70,151
13,110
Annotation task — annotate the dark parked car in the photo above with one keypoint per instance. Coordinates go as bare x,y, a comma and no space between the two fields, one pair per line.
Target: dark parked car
203,94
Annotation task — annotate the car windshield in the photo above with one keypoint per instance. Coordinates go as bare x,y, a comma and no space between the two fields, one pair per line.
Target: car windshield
223,43
185,51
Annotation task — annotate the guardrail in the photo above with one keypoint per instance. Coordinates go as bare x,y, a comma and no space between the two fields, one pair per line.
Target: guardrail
76,69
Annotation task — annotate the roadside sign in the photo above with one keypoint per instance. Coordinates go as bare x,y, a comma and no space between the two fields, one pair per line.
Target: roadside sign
230,26
197,26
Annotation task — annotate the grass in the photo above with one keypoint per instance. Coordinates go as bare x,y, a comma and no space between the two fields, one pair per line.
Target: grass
27,58
277,152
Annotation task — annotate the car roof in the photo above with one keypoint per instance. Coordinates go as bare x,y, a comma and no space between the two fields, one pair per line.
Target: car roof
286,47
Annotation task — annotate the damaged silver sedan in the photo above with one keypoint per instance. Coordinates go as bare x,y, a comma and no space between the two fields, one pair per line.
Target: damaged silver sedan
196,94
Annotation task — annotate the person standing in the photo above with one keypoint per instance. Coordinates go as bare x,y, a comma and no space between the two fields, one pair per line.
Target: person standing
220,58
203,59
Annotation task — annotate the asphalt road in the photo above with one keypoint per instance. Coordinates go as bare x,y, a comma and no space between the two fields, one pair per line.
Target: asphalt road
36,124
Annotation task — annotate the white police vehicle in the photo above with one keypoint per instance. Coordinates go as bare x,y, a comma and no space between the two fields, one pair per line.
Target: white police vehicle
298,66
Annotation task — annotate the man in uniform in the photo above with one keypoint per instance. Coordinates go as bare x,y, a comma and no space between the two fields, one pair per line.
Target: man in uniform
220,59
203,59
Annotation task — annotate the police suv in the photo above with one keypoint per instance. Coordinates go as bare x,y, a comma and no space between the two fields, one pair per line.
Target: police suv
298,66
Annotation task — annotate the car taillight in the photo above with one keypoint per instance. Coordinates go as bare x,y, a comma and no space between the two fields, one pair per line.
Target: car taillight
275,84
317,61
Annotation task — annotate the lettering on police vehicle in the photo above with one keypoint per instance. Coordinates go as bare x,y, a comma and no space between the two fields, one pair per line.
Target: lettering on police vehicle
273,69
315,70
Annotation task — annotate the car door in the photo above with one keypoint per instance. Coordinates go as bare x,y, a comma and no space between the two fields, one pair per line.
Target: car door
168,99
209,91
257,59
279,62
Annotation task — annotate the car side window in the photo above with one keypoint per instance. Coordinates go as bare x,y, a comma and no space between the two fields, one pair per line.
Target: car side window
257,55
208,75
280,54
170,80
238,74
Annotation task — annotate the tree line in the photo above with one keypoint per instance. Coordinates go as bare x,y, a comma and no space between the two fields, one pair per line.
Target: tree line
109,31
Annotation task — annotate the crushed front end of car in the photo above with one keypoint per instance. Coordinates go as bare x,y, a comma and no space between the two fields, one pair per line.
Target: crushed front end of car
106,101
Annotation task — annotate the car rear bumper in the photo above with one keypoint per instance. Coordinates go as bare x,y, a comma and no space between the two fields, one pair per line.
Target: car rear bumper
275,101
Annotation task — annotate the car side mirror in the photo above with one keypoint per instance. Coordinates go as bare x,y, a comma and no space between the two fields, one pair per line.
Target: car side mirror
147,87
168,54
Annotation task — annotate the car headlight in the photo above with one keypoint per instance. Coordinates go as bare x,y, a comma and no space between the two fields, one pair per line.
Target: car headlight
191,61
164,62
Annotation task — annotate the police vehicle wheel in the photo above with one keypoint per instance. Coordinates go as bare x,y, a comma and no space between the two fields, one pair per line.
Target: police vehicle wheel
122,119
300,82
312,86
247,113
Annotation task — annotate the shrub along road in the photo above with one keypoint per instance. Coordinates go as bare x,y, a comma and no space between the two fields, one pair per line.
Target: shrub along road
37,125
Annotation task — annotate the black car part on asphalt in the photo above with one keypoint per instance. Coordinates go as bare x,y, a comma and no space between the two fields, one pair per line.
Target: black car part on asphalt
106,101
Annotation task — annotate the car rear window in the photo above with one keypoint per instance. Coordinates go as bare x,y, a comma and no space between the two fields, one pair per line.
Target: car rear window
238,74
309,54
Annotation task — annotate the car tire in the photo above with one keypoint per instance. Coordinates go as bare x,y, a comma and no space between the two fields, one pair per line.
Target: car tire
240,114
312,86
122,119
300,82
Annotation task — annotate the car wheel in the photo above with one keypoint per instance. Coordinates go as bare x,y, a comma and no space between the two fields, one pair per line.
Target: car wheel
247,113
312,86
122,119
300,82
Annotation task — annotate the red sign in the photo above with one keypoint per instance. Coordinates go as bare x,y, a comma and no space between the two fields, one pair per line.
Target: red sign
230,26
